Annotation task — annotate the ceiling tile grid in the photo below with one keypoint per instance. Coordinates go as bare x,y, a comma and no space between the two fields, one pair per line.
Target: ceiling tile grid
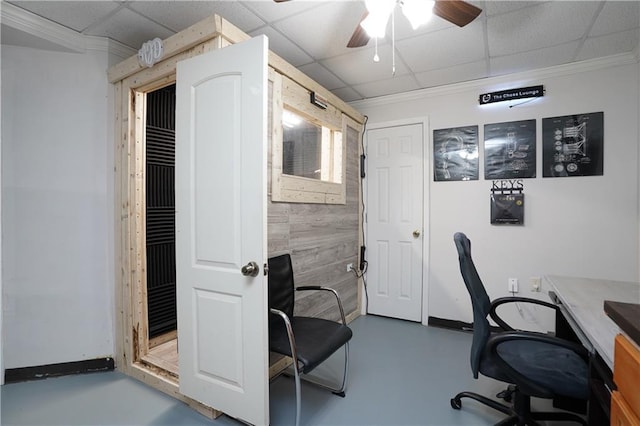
130,28
178,16
538,58
508,36
77,15
611,44
449,47
544,25
454,74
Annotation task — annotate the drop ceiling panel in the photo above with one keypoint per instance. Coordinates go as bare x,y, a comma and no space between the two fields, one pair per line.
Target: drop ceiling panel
534,59
270,11
455,74
129,28
389,86
445,48
325,30
616,17
545,25
182,14
322,75
595,47
359,67
284,47
77,15
404,29
347,94
492,8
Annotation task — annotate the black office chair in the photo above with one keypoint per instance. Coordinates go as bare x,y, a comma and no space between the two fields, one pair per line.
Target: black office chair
535,364
310,341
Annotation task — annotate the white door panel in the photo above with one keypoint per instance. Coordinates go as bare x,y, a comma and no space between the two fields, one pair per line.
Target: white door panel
221,100
394,212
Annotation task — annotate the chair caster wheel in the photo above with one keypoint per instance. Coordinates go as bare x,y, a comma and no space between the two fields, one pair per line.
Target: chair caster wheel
340,394
456,404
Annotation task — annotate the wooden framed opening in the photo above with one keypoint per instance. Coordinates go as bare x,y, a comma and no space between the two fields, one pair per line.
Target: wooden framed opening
322,239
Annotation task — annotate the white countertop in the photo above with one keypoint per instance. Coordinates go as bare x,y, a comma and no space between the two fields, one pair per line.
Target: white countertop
583,299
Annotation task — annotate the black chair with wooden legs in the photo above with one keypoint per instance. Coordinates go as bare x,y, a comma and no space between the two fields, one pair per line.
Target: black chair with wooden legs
536,364
308,341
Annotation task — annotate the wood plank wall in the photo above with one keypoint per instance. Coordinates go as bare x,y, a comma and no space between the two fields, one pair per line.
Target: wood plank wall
321,238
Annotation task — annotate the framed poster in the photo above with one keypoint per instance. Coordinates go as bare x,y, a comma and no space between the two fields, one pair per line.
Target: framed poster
455,153
507,209
510,150
573,145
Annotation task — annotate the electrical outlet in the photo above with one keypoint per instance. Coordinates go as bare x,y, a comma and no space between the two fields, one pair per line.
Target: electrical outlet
349,267
513,285
535,283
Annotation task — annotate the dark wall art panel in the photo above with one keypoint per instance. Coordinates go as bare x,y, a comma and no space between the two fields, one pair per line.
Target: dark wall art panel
573,145
510,150
455,152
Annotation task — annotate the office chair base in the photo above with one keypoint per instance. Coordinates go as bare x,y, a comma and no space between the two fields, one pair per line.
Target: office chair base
456,402
520,413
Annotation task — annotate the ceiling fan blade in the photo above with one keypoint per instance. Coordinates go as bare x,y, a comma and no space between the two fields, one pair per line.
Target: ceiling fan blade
280,1
359,37
456,11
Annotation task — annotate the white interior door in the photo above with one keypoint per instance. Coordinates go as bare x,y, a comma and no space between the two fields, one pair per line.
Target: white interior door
221,167
394,221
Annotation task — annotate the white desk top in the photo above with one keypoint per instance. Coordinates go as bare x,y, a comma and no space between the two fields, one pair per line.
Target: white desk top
583,299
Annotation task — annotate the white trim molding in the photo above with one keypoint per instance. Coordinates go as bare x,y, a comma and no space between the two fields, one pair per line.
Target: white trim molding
37,26
58,35
492,82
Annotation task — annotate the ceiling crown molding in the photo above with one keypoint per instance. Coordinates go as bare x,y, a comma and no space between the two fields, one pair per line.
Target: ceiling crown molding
490,82
30,23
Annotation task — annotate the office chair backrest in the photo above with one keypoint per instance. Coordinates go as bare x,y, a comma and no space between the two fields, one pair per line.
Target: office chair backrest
281,286
479,300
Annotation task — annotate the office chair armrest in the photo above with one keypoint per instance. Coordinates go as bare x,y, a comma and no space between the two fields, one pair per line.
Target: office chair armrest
522,381
502,300
335,293
292,340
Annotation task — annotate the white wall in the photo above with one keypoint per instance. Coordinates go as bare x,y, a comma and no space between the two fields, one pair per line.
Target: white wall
1,290
57,163
585,226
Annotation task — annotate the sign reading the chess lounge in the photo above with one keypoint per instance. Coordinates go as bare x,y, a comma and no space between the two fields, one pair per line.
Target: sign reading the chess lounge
511,94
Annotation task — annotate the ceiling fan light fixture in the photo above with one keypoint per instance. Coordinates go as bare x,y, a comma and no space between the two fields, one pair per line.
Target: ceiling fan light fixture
418,12
375,23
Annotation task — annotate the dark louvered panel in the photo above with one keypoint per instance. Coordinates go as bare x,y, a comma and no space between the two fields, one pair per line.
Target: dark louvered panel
161,288
161,108
161,190
162,259
160,225
162,301
160,202
161,146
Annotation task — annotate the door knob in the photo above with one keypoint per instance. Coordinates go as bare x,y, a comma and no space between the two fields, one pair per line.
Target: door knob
416,233
251,269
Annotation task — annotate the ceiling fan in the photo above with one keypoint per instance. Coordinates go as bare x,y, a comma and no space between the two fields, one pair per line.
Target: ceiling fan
374,20
457,12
